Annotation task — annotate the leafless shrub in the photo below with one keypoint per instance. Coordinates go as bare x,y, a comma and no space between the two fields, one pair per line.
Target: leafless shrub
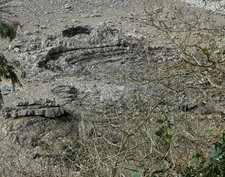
189,78
157,135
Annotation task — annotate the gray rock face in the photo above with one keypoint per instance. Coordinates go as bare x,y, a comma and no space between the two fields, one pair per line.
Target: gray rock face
211,5
65,92
46,108
112,93
6,89
77,50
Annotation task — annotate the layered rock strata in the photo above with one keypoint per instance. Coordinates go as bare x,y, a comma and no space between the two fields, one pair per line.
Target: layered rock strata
41,107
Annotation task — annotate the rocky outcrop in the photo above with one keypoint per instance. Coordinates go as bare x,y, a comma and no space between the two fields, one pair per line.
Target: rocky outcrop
41,107
68,95
65,92
41,126
76,51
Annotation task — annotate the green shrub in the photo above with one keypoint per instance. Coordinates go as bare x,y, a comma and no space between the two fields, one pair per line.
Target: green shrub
212,166
7,31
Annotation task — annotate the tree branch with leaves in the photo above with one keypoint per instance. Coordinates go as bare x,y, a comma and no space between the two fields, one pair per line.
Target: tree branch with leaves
7,70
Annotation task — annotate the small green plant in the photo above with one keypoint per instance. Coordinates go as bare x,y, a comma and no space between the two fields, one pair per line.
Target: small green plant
211,166
164,129
7,72
137,174
7,31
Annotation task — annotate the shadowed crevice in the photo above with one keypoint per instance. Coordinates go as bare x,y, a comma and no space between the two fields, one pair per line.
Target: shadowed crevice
73,31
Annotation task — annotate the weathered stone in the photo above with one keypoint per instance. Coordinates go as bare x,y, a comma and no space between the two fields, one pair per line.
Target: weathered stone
51,104
38,107
48,100
23,103
30,112
60,89
112,92
5,89
6,114
51,113
22,113
61,111
65,92
39,112
14,114
35,106
67,6
203,110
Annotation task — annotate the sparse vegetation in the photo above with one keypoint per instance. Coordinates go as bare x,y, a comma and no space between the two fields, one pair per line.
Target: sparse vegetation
6,69
178,132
